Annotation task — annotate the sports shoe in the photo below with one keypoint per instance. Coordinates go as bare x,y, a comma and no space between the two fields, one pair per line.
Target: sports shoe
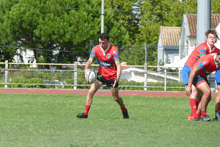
217,115
215,119
190,118
197,119
82,115
205,118
125,114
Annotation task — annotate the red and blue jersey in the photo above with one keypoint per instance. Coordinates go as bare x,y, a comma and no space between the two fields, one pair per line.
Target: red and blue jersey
206,65
200,51
106,60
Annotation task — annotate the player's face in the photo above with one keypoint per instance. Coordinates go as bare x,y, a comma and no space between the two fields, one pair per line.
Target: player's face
211,39
217,59
103,43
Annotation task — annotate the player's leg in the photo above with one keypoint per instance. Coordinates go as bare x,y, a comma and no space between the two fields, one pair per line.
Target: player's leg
193,102
192,99
119,100
205,88
217,99
217,104
94,87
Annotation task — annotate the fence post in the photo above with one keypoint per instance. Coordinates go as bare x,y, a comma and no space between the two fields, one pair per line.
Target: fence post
145,77
165,80
6,73
75,75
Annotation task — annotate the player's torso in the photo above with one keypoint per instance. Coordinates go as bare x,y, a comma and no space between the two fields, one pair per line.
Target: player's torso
105,59
197,53
209,65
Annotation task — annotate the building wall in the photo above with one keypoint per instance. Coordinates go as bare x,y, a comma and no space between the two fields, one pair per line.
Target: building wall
172,54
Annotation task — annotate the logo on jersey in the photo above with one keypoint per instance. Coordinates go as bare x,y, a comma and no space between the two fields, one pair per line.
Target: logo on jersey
108,56
204,63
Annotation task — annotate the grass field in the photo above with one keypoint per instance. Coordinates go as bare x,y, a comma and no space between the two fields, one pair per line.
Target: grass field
50,121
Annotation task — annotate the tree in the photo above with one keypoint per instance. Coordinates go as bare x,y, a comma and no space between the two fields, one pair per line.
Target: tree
126,14
155,13
63,26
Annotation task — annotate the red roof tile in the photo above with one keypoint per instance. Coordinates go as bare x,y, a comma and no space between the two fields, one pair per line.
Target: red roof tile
192,22
170,35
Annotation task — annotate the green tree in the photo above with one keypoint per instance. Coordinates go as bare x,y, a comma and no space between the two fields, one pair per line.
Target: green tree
156,13
215,6
125,13
66,26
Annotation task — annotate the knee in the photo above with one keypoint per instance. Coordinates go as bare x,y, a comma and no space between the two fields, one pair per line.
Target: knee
194,94
116,98
91,92
207,92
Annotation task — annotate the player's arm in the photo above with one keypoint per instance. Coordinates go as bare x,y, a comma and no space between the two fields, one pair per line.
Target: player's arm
192,75
202,52
198,67
118,65
89,62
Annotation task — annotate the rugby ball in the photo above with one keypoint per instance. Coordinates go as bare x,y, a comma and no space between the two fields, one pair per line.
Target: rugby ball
92,76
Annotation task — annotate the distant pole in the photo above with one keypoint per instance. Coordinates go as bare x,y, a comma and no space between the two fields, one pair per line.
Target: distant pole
145,67
102,18
203,20
145,48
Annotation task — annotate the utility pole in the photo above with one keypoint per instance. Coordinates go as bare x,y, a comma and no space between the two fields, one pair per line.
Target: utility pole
203,20
102,18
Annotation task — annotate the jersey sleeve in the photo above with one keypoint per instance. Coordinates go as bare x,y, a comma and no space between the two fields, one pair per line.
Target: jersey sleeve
202,52
201,65
116,55
93,54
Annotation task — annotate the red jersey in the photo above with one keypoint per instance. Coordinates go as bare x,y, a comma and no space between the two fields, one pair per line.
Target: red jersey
200,51
106,60
206,65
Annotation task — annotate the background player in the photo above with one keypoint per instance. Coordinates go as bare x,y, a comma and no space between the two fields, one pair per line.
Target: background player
198,77
201,50
109,73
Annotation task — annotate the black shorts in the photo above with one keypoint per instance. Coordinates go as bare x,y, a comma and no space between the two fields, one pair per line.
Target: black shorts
108,83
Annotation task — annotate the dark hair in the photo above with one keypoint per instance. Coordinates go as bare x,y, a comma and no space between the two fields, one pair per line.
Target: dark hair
211,32
104,36
218,52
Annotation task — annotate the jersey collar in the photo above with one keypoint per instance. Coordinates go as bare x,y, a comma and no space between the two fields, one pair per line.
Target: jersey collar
104,51
210,47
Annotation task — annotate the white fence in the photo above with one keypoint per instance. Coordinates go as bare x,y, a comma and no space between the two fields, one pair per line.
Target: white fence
73,77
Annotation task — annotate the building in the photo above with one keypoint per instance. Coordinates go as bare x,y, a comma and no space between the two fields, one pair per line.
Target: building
168,45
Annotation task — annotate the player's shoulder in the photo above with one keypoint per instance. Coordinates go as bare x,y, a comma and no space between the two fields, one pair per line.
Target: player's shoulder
97,47
113,48
203,46
210,57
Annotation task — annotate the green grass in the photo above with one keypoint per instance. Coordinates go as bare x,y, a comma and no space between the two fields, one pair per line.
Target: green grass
50,121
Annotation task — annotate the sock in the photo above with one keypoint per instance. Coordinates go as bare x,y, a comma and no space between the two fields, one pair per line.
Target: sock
87,107
123,109
203,113
192,103
215,112
196,115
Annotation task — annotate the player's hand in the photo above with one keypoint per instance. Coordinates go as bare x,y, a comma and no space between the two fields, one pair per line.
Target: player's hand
188,90
115,82
86,73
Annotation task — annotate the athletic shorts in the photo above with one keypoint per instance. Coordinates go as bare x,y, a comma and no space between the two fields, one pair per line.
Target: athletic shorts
217,77
185,74
108,83
199,79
